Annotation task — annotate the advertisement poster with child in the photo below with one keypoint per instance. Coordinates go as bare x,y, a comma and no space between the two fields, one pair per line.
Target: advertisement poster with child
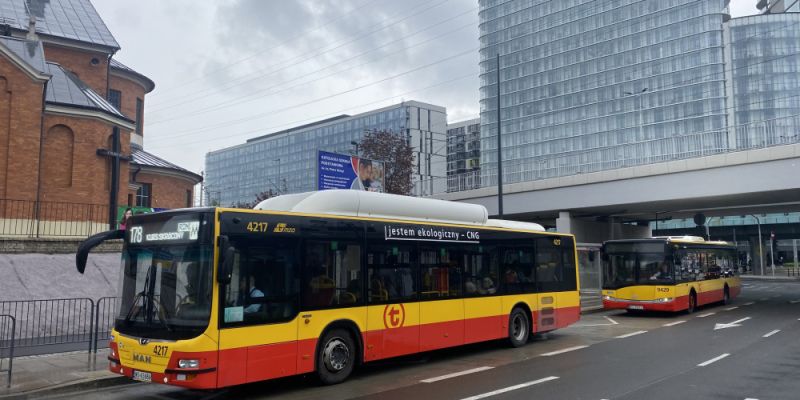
341,171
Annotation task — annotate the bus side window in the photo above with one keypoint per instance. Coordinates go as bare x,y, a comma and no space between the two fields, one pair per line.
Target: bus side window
391,274
332,274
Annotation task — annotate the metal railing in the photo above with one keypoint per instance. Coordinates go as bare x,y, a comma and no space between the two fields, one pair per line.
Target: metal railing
51,326
28,218
104,313
7,339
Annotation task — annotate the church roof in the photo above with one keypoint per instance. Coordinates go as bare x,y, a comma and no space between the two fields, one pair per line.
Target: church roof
29,51
66,89
143,158
68,19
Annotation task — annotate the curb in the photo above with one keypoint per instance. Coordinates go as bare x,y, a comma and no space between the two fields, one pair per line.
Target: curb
74,386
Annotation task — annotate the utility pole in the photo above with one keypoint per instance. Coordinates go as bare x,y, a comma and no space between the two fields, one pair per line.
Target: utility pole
116,157
760,250
499,148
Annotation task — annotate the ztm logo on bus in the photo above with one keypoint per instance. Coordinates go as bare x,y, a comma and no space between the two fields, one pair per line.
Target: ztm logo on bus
394,316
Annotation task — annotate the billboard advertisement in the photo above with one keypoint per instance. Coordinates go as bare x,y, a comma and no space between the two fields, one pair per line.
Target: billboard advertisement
342,171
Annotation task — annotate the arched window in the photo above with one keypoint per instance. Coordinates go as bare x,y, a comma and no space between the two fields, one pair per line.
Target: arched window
59,142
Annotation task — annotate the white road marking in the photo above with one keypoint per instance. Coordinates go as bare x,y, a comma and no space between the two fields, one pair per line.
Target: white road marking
776,296
763,299
674,323
611,320
510,388
568,349
731,308
730,324
749,303
627,335
750,398
794,301
713,360
455,374
706,315
772,333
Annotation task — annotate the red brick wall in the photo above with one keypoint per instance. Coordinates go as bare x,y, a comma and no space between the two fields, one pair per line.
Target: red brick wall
91,173
167,191
130,92
20,128
79,62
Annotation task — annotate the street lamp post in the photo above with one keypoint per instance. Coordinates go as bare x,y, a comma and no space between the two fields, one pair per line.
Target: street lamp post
760,250
638,109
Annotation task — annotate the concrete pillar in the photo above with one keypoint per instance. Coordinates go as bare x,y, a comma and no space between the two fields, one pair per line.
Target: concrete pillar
564,222
794,248
754,256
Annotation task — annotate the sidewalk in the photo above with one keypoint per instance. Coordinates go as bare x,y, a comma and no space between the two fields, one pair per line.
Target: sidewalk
33,376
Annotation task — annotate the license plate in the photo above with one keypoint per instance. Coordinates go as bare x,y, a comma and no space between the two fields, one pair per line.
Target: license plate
142,376
635,307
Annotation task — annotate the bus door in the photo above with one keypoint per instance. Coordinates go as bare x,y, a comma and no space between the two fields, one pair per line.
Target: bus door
441,306
550,278
258,337
393,312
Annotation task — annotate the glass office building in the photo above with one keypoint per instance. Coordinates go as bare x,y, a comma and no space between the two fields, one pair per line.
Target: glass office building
763,71
590,85
286,161
464,155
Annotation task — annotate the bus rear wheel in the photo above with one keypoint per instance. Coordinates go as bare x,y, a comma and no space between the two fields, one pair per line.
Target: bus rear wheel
519,327
336,357
692,303
726,296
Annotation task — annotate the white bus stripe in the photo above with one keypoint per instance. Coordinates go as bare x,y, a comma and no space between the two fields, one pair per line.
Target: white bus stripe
674,323
568,349
510,388
627,335
772,333
713,360
455,374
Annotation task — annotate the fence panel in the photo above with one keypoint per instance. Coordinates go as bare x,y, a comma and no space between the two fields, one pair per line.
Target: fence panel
51,326
105,312
27,218
7,332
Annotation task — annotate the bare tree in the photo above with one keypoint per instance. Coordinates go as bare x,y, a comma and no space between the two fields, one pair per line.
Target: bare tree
398,157
269,193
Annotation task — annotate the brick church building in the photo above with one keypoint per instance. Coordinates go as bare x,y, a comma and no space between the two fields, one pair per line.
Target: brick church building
63,101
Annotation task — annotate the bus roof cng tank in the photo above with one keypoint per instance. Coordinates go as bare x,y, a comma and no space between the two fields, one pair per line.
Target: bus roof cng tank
378,205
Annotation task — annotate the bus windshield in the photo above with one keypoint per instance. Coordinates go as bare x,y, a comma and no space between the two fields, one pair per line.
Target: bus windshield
629,264
165,291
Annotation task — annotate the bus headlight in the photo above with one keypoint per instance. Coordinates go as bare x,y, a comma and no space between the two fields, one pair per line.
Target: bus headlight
665,299
188,363
607,297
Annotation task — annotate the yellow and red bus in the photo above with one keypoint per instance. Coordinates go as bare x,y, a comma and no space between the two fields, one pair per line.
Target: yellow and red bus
668,273
321,282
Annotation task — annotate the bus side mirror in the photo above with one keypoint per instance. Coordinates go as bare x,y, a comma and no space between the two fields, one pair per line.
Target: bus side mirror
225,263
93,241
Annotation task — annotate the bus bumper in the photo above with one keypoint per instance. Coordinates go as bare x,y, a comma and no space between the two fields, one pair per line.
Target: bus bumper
196,378
671,305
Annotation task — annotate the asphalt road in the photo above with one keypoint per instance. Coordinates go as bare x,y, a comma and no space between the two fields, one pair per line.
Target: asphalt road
754,353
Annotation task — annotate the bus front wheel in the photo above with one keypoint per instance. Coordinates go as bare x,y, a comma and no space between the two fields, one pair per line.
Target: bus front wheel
518,327
336,357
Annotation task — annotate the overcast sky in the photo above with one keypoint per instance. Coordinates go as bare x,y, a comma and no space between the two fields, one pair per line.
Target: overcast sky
226,71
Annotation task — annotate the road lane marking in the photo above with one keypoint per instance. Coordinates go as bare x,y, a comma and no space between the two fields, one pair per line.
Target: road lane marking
750,303
674,323
587,325
794,301
706,315
627,335
568,349
731,308
510,388
763,299
455,374
713,360
730,324
772,333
